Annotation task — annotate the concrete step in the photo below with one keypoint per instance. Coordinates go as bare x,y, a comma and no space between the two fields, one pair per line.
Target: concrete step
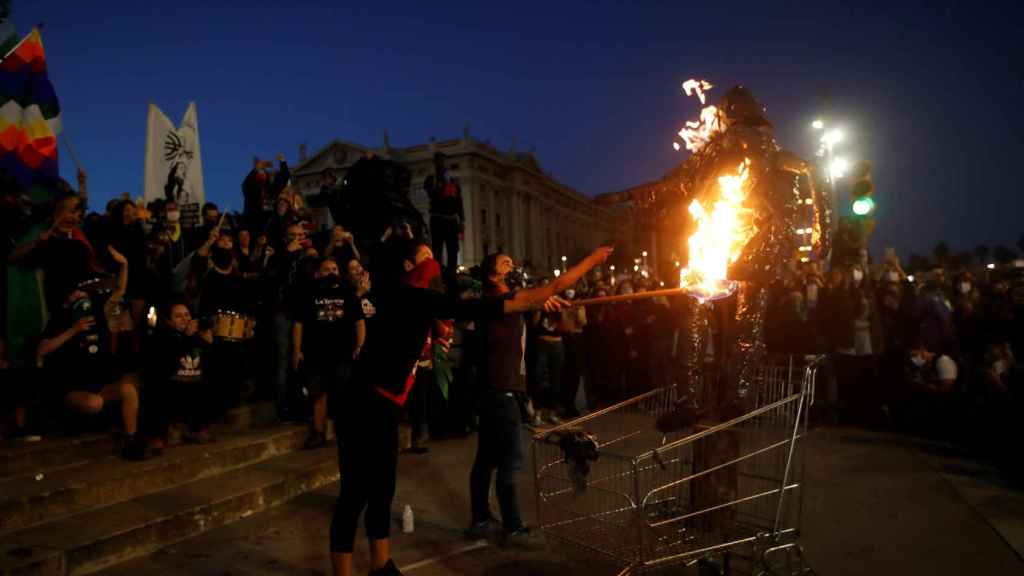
19,458
102,537
31,499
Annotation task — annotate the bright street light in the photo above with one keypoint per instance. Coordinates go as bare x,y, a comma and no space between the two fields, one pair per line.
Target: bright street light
991,266
832,137
557,272
817,124
839,167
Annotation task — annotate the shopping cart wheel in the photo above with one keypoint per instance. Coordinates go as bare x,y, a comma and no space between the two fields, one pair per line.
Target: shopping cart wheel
785,560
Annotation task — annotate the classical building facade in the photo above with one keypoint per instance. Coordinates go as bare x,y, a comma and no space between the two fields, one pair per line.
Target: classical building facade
511,204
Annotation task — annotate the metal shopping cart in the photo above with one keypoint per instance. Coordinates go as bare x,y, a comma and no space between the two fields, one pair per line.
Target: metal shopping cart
724,495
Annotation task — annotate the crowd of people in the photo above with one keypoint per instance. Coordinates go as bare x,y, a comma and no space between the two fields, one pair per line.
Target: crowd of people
174,323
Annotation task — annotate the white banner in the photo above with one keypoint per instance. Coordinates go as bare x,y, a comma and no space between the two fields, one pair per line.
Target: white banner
174,167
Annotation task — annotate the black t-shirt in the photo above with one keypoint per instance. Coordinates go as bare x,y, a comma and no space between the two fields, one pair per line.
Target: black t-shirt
223,292
175,358
84,362
397,328
329,314
65,263
502,354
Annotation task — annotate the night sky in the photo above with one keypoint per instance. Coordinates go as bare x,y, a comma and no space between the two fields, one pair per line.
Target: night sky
930,92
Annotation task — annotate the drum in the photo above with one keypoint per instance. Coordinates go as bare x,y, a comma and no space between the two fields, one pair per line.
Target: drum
98,286
233,326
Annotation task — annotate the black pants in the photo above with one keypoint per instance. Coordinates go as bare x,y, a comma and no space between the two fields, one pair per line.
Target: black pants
572,371
368,461
195,404
444,232
548,362
499,447
419,404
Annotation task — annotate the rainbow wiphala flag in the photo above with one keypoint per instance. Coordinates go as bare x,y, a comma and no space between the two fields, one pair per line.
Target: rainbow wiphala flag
29,116
29,124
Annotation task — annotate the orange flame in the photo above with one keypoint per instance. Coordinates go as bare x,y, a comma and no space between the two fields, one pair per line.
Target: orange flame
720,237
696,134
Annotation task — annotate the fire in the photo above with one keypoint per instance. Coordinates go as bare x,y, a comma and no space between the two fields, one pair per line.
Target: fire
698,133
720,237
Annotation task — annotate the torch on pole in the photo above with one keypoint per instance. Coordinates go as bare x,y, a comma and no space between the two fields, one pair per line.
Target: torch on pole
630,297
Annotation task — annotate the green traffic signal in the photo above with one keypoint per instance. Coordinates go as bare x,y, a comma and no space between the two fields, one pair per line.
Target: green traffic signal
863,206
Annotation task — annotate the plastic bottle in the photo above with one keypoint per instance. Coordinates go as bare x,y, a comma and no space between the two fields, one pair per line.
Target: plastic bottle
408,522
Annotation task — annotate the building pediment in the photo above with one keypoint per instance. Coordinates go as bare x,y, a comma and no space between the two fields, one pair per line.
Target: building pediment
335,155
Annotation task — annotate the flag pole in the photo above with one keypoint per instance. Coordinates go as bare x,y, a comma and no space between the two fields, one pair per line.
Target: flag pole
71,151
18,45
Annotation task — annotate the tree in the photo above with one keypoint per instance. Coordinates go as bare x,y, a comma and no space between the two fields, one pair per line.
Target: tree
941,253
917,263
981,253
1003,254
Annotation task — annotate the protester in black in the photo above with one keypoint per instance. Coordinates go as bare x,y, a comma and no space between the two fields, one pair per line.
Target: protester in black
503,375
368,420
175,384
76,353
447,216
327,336
260,190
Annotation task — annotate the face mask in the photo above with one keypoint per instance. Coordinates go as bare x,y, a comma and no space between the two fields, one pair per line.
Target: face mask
426,274
330,280
858,275
893,276
965,287
174,216
221,257
570,294
918,360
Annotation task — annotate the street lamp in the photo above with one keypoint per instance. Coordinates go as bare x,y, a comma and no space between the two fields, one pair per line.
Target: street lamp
817,124
838,167
832,137
563,262
557,272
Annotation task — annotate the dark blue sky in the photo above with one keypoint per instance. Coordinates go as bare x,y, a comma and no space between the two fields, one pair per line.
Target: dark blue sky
930,92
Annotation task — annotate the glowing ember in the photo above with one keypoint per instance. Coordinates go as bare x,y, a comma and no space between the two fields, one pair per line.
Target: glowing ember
720,237
697,134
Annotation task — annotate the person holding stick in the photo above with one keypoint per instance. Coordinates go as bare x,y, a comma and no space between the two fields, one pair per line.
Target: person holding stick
503,371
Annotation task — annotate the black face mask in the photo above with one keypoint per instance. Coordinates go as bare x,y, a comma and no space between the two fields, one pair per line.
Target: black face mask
329,281
221,257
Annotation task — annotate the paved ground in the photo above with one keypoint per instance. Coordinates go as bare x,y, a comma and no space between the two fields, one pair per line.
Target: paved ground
875,504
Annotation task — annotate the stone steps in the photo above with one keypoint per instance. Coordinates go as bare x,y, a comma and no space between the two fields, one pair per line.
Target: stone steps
31,499
21,458
73,506
102,537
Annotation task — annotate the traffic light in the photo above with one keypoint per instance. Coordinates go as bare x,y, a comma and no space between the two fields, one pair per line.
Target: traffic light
862,195
862,190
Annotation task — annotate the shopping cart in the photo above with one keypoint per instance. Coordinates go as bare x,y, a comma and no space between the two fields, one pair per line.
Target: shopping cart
726,495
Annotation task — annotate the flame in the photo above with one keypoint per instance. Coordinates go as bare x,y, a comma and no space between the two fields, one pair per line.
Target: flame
696,134
720,237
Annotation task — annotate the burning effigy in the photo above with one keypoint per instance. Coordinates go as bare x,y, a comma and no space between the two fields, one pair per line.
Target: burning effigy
747,200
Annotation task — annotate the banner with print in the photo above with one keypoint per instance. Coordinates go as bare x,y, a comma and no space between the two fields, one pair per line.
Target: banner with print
174,167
